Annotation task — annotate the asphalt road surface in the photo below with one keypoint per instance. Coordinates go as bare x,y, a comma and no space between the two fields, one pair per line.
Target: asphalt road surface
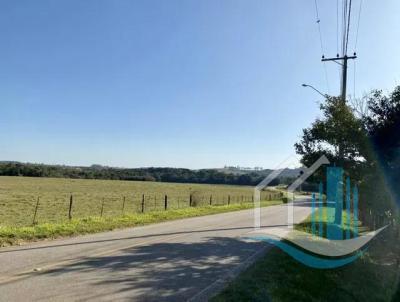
188,259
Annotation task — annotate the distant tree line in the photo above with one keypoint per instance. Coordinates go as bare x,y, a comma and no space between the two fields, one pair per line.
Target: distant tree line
178,175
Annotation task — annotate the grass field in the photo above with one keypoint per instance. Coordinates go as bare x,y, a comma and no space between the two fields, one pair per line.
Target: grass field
19,195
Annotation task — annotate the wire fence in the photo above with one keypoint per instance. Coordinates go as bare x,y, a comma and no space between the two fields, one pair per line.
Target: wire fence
24,210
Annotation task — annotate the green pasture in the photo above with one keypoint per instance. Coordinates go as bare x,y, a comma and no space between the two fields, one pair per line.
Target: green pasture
109,198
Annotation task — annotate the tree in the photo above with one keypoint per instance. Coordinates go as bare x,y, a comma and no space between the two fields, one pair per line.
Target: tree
367,146
339,135
383,126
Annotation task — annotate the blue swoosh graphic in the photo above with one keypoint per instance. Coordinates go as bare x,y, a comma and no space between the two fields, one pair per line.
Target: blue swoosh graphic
307,259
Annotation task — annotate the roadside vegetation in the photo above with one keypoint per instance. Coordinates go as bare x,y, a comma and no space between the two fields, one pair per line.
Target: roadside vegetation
364,138
10,235
278,277
306,225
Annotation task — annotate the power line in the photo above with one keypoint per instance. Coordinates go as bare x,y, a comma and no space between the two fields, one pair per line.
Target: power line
344,35
344,25
316,9
345,30
319,26
321,43
326,79
348,26
358,25
337,26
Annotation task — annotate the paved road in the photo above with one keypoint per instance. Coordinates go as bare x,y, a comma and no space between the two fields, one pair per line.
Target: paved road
171,261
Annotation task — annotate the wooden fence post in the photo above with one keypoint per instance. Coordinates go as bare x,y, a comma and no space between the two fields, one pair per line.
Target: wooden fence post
36,210
229,200
211,200
123,205
143,203
102,207
190,200
70,207
165,202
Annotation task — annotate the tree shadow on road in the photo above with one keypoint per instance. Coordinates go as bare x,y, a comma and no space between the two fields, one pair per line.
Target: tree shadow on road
160,271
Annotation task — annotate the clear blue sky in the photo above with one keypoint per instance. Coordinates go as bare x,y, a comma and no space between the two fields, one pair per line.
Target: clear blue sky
175,83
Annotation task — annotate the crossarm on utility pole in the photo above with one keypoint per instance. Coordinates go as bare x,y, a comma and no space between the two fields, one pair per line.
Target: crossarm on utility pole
344,72
339,58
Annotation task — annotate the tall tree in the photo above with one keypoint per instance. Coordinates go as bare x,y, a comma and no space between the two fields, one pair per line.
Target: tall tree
338,135
367,146
383,125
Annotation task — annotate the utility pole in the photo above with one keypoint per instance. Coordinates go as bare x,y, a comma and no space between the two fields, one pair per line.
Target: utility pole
341,60
344,58
343,87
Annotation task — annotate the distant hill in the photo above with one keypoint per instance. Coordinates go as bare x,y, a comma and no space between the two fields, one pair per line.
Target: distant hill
178,175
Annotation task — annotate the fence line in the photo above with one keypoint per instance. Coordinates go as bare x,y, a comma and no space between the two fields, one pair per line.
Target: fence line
69,206
36,210
56,208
